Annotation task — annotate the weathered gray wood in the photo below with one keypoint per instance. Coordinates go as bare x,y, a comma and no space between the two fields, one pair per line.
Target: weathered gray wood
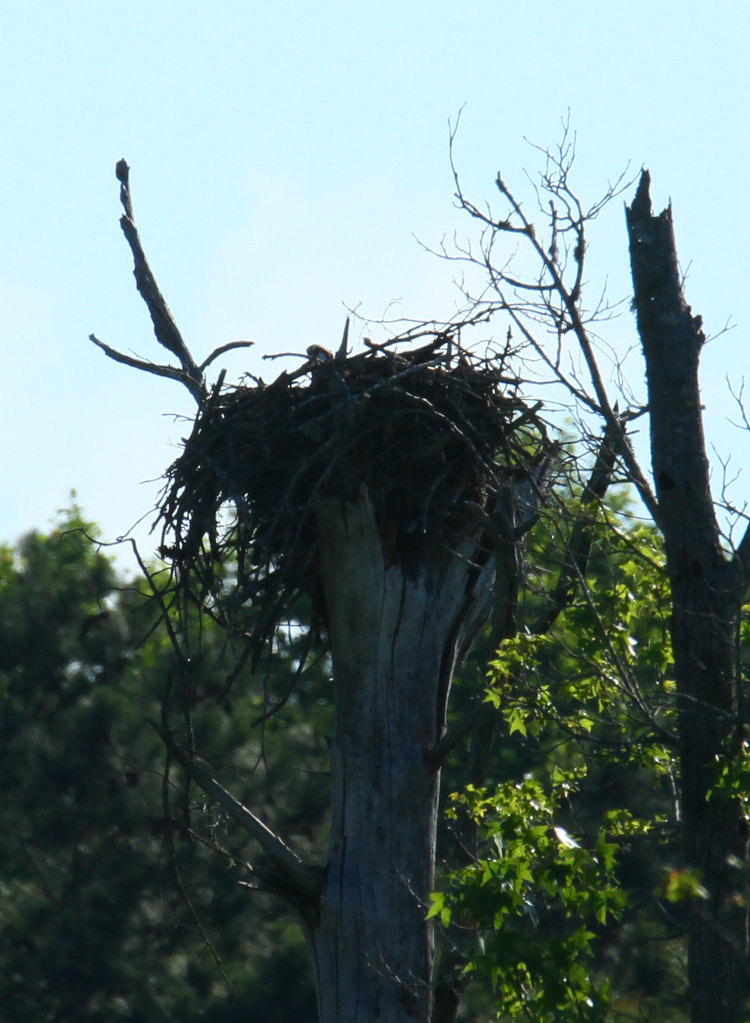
394,641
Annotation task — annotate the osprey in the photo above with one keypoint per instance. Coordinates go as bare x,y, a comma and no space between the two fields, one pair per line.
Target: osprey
318,354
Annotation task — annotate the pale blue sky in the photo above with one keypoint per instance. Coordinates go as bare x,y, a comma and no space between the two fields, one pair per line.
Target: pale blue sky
282,158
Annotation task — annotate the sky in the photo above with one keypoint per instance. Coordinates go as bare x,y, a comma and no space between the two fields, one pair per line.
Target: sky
287,160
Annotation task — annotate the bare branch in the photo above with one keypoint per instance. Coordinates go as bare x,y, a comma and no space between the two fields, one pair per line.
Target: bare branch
165,328
228,347
742,555
300,876
437,756
150,367
549,299
579,545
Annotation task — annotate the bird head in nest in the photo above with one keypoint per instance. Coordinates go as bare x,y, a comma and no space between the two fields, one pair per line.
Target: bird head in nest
318,354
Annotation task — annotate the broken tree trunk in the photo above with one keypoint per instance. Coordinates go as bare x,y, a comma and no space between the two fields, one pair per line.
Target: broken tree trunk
384,491
707,587
394,640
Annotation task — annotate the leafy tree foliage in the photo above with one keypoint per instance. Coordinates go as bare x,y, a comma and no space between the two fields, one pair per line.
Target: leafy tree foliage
574,892
565,900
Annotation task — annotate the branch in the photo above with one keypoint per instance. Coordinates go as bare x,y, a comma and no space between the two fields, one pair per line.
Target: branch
569,316
579,545
166,331
742,555
228,347
300,882
151,367
570,300
165,328
436,757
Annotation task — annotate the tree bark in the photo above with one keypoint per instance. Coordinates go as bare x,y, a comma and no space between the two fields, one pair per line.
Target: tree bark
706,587
395,636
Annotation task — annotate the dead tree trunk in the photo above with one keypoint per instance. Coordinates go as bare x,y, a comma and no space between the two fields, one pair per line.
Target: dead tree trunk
707,587
384,490
394,639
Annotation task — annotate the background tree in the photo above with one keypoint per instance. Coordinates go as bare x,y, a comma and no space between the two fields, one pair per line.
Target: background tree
116,903
708,578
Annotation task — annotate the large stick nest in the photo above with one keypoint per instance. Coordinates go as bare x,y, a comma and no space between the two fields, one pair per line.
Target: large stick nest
432,432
